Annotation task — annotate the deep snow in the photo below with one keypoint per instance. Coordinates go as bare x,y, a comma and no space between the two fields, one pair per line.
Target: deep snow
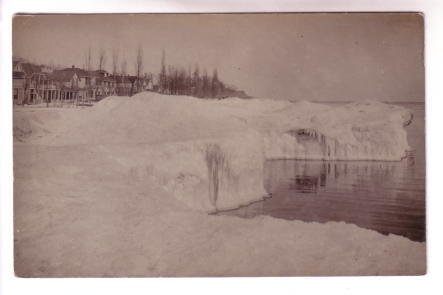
124,187
210,154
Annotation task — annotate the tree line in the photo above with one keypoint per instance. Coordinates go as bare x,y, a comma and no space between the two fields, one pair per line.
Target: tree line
178,81
173,80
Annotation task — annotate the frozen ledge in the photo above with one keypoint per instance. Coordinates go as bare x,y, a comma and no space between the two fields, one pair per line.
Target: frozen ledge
225,173
210,154
223,168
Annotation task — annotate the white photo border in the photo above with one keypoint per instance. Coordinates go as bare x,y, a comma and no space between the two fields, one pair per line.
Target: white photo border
428,284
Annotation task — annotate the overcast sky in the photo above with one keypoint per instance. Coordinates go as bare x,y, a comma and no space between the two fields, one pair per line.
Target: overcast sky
283,56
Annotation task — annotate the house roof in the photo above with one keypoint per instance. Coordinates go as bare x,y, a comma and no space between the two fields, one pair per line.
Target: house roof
29,68
66,74
62,75
121,79
108,79
132,78
18,75
99,73
78,71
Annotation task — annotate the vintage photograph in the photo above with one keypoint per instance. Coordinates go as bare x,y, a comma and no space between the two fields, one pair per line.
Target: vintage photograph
219,145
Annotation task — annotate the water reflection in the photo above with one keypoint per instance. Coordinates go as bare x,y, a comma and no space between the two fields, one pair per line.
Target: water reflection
382,196
388,197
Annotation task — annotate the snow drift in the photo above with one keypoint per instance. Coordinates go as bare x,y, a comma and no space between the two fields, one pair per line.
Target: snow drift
208,174
209,154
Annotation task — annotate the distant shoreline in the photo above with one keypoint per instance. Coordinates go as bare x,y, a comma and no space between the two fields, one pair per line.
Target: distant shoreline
349,101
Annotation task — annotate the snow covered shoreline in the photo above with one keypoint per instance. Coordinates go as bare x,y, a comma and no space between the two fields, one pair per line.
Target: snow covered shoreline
210,154
124,188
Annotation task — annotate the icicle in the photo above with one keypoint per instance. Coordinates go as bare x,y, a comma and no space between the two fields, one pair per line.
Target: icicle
216,163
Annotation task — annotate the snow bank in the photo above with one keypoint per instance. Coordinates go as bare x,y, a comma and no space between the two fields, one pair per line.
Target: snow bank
356,131
207,175
221,176
32,123
209,154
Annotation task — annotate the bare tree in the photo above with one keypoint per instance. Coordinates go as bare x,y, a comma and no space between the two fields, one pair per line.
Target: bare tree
196,82
88,58
162,76
52,65
215,85
139,62
123,67
101,59
114,62
139,65
206,87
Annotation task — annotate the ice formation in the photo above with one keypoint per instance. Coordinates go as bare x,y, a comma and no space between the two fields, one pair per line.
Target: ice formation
209,154
208,174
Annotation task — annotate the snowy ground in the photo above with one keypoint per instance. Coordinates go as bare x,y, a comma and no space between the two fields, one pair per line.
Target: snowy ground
124,188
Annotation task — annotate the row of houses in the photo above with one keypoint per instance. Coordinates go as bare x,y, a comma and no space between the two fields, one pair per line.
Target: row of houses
33,84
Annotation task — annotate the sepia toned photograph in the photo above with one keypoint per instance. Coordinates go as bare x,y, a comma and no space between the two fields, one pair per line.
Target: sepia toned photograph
219,145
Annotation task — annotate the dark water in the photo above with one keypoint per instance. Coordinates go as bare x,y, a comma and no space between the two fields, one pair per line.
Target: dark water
388,197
